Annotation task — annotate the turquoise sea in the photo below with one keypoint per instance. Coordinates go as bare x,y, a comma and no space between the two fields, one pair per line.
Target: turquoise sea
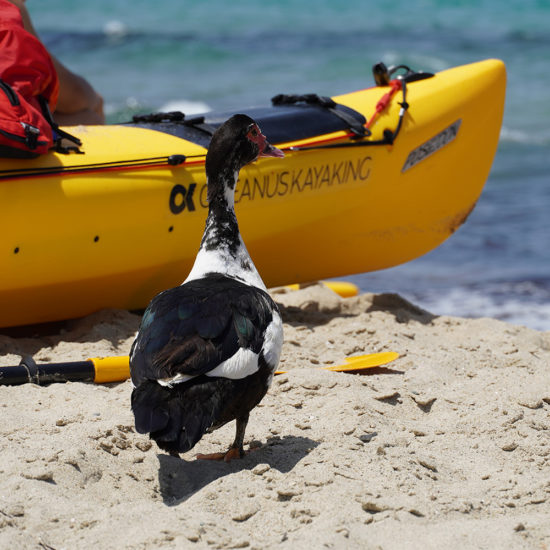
192,56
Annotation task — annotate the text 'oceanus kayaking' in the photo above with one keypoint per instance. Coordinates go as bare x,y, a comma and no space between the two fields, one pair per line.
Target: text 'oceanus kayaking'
277,184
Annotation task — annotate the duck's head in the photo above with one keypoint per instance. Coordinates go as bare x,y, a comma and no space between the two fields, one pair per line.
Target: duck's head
236,143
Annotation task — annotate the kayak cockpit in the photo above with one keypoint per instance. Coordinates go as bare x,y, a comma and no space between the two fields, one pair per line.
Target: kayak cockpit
290,118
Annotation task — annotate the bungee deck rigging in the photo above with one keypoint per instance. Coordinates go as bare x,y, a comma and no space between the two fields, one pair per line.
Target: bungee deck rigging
291,118
153,162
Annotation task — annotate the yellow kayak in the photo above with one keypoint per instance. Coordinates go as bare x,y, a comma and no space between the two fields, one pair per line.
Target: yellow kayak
122,220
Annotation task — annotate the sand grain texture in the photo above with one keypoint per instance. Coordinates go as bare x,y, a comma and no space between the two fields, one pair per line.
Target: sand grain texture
448,447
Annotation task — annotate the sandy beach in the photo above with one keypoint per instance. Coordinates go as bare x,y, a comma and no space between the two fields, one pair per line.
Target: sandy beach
447,447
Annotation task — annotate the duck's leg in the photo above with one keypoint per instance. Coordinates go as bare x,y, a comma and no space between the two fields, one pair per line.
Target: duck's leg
236,450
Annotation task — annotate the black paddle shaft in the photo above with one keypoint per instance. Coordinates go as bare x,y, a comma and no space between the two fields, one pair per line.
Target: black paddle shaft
29,371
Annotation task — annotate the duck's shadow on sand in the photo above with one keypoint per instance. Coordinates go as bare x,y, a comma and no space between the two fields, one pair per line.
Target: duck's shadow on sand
179,479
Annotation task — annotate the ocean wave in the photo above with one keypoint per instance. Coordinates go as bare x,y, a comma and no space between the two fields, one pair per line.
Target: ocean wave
513,309
522,302
512,135
123,112
528,37
185,106
115,29
292,39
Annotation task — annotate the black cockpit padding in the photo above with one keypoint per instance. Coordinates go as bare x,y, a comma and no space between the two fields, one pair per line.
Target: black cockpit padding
279,123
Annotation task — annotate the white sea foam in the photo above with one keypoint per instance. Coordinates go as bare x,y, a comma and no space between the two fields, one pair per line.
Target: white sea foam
185,106
511,135
115,29
462,302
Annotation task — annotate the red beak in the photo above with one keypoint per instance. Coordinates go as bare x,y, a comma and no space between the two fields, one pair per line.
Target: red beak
266,149
270,151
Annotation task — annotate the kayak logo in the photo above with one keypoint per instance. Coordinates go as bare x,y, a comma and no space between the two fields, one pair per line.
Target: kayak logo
432,145
181,197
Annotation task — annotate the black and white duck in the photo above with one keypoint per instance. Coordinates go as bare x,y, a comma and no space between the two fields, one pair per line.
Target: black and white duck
206,351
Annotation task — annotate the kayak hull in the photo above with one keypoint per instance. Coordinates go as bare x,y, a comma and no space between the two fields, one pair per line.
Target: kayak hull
75,242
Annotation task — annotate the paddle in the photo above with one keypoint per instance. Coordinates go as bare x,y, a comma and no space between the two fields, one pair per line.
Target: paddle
360,362
98,370
117,369
344,289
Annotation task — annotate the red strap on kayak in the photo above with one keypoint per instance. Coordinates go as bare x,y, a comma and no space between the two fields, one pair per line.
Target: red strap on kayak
384,101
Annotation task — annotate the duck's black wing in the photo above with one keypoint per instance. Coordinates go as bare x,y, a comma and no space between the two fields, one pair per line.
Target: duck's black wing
191,329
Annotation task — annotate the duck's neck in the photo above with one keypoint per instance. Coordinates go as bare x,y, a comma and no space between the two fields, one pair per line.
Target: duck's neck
222,249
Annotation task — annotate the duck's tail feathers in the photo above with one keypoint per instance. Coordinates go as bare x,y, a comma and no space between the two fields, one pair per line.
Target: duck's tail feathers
173,420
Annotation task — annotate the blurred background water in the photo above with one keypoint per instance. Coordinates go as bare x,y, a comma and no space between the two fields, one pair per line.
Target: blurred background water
193,56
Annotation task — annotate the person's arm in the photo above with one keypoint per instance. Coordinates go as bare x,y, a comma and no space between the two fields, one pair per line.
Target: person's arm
77,102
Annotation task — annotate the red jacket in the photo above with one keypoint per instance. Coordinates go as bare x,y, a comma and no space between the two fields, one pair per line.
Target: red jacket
27,78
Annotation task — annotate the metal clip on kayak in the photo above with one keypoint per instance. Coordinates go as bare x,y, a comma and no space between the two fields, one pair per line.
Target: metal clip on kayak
383,75
383,78
58,134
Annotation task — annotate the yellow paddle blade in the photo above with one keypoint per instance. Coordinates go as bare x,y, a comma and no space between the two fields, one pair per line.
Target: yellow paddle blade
342,288
376,358
360,362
